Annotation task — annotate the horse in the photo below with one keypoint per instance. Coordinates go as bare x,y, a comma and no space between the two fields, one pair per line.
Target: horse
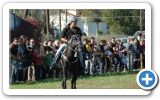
70,61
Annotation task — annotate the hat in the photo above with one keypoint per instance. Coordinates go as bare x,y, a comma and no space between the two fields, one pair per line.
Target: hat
73,20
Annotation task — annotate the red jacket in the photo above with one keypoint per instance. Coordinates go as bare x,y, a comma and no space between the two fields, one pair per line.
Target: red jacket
37,58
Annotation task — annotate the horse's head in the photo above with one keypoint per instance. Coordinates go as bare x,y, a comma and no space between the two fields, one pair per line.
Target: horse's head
76,43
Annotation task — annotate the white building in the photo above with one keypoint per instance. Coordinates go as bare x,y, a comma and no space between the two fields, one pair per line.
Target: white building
89,27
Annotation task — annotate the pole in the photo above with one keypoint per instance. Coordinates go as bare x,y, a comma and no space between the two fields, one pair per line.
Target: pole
60,21
47,21
141,61
140,20
66,15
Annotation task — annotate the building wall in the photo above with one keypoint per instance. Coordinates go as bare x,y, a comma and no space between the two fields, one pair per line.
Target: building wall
89,28
55,19
19,26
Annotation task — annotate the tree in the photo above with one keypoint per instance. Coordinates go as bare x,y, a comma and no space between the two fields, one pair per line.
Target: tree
26,13
123,21
47,21
119,21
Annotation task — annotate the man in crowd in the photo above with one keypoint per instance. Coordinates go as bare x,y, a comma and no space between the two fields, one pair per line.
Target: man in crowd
93,43
14,60
56,45
102,56
31,70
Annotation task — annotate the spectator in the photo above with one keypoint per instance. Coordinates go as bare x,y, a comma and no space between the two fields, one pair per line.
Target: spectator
24,41
44,50
45,46
37,60
93,43
110,48
88,57
14,60
31,71
121,49
87,48
32,44
56,45
102,58
96,58
139,37
136,46
142,51
24,59
131,53
47,61
113,42
14,48
122,56
49,46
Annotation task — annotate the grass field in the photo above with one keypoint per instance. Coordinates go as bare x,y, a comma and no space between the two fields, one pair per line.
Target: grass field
105,81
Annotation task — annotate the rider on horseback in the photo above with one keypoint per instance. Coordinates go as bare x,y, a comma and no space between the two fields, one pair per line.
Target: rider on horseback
70,30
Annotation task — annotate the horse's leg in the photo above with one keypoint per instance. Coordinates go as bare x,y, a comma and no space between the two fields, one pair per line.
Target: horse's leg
73,81
64,86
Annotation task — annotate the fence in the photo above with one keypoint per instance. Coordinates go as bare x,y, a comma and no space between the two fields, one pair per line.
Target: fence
112,65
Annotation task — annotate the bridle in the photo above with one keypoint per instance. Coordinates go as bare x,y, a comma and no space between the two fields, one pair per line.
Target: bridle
75,50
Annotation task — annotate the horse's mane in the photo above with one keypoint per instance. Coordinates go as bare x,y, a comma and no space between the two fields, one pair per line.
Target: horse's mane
69,50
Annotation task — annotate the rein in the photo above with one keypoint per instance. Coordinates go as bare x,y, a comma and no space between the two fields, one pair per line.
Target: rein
76,51
68,60
66,57
69,47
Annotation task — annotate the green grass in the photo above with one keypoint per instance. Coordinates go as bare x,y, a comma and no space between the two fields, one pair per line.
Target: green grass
104,81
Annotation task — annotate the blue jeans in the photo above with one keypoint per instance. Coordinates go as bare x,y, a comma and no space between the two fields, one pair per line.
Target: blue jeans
58,54
131,61
16,71
37,69
102,65
61,48
81,58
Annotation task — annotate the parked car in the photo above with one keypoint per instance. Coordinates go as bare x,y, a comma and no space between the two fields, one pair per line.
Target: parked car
125,41
139,33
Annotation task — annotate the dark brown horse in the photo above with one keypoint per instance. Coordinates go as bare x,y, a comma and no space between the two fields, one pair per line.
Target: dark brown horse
70,61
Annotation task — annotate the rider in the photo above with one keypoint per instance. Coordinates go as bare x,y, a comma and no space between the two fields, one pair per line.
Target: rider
70,30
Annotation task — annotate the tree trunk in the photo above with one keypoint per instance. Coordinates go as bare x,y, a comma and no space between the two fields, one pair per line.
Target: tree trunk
25,13
66,15
140,18
97,29
60,21
47,21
